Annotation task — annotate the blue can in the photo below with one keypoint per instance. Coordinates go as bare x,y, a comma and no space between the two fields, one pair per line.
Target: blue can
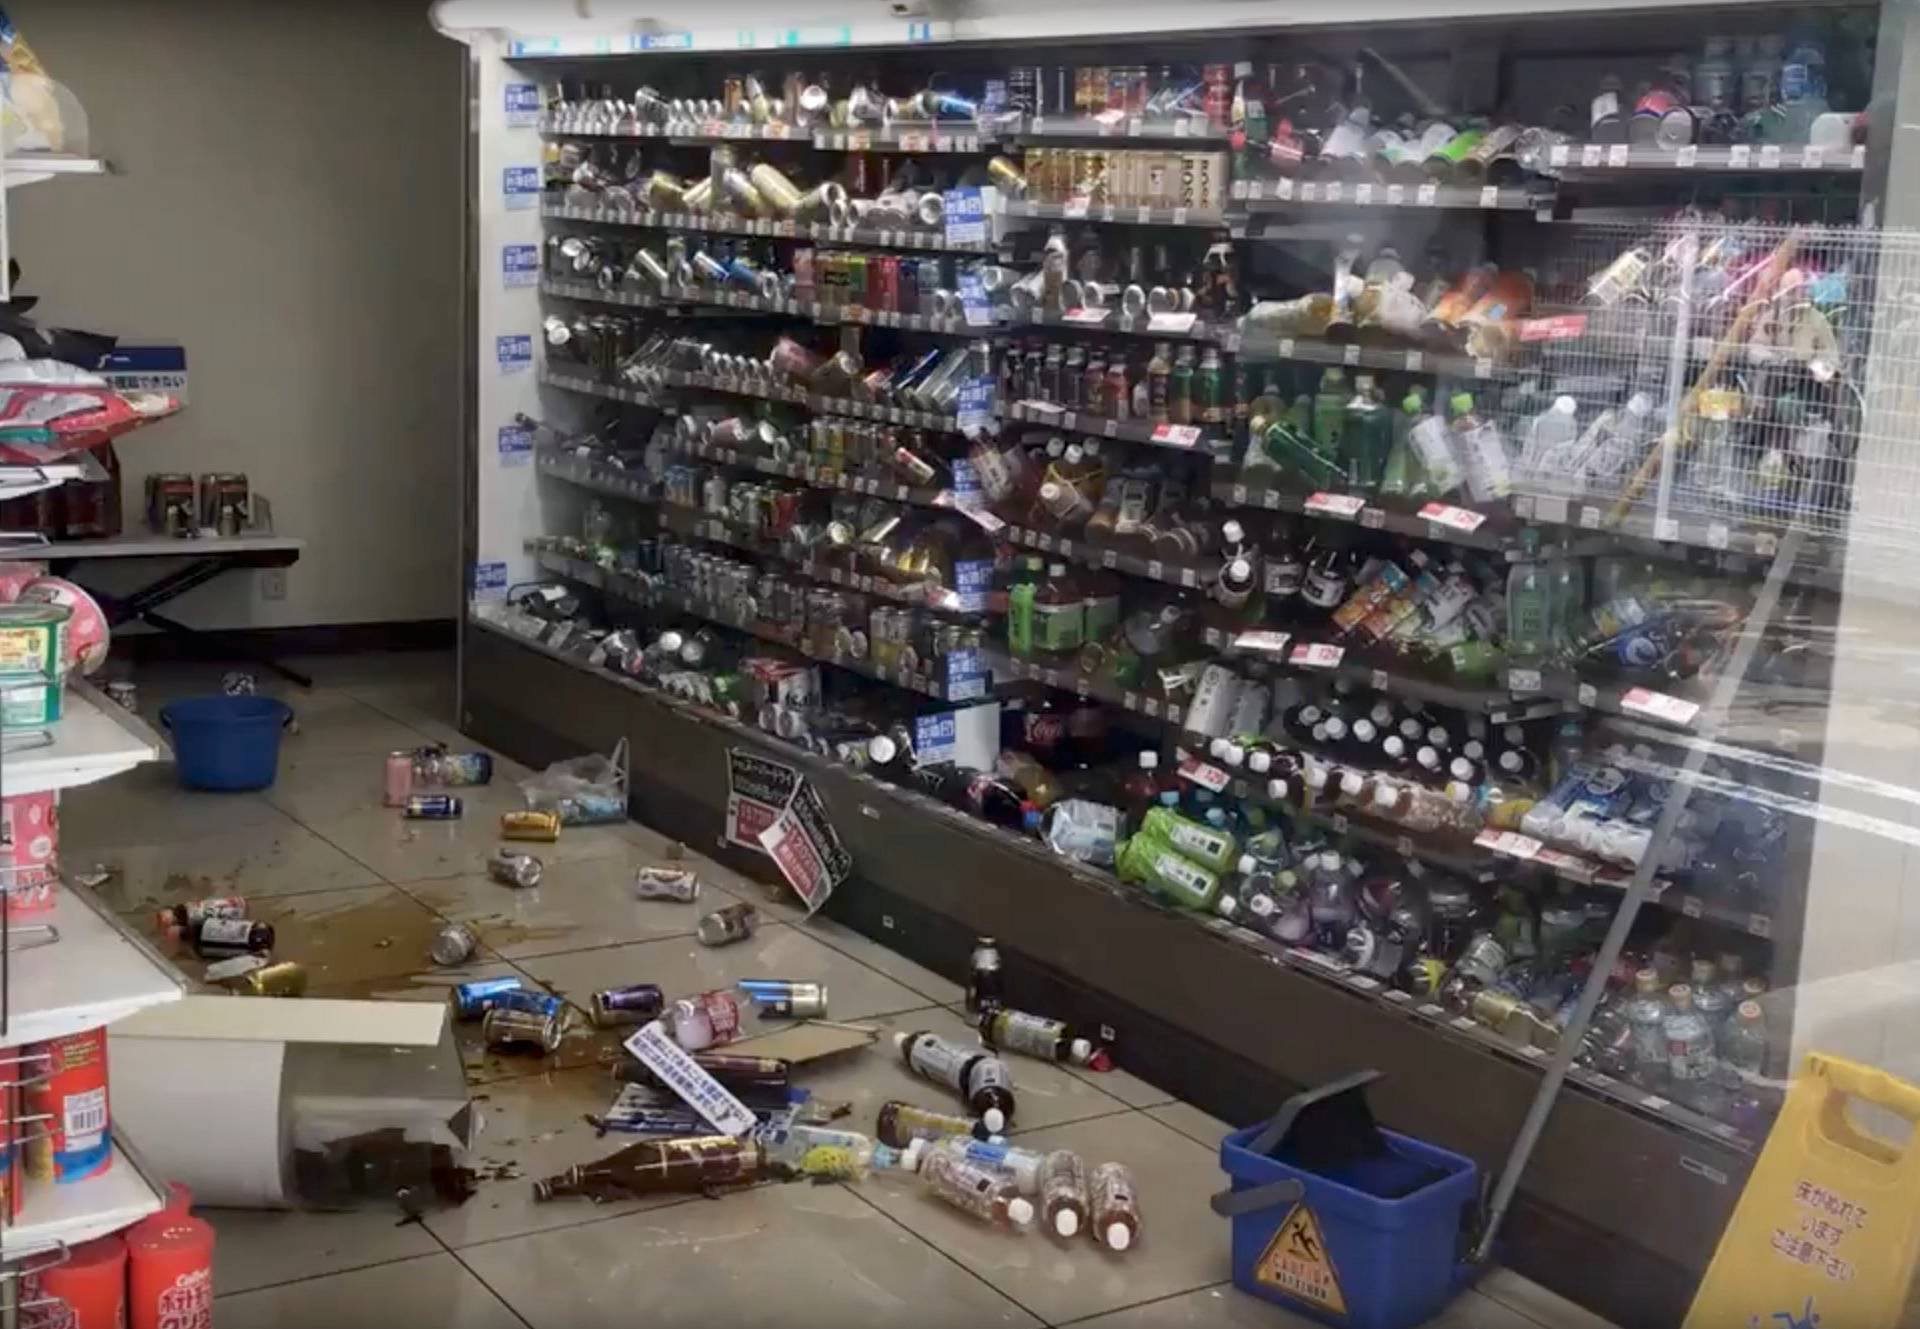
475,999
432,807
952,106
527,999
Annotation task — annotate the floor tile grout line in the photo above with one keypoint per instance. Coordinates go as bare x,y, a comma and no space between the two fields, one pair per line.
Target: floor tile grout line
1020,1131
332,1273
492,1291
876,969
1136,1305
944,1254
574,1226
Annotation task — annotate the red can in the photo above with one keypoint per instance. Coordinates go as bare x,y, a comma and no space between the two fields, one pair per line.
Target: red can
87,1290
170,1273
29,839
71,1092
399,779
884,278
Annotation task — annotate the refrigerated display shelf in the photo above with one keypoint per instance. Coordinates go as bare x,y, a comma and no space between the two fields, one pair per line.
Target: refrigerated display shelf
1254,347
903,137
1085,210
747,302
1578,159
700,525
636,590
1821,563
1181,326
1112,125
795,396
593,387
906,138
590,474
726,224
1268,197
1093,554
821,477
1329,661
1449,523
1456,1030
1186,438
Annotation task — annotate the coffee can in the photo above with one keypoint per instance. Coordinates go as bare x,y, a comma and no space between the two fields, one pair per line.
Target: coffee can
508,1030
286,979
529,825
512,869
453,944
785,999
661,882
636,1003
432,807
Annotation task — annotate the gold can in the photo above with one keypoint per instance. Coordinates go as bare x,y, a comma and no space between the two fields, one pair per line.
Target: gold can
1005,174
285,979
530,826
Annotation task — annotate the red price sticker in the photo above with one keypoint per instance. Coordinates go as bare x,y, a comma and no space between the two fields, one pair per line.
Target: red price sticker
1457,519
1317,655
1089,316
1511,843
1660,706
1204,774
1263,640
1346,506
1179,436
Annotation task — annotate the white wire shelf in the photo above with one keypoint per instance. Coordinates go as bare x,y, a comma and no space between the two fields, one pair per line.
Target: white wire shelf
54,1216
97,972
95,739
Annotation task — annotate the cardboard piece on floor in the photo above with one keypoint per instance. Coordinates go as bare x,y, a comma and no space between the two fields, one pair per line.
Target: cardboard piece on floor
269,1076
809,1041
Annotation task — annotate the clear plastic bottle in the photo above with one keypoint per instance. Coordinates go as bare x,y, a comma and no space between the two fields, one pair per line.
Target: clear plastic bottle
1180,388
820,1151
1116,1207
1550,441
1709,997
1483,449
976,1190
1330,412
1433,443
900,1124
1690,1054
1065,1201
1159,372
979,1077
1744,1044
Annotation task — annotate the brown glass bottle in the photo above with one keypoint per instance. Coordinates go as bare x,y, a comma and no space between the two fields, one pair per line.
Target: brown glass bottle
654,1167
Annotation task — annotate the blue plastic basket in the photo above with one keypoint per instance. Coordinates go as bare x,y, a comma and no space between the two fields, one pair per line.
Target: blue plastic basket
1375,1247
228,744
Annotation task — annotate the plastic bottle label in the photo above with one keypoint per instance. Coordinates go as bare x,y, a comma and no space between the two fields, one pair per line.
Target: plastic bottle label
941,1060
226,932
1033,1035
987,1073
1181,876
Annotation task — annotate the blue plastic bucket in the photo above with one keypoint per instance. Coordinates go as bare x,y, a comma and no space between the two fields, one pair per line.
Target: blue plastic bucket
227,744
1340,1253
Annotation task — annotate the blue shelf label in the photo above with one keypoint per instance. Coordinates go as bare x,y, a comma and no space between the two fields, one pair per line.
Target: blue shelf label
516,445
974,306
534,46
522,188
842,36
520,265
919,32
514,354
489,581
966,215
523,105
972,581
663,41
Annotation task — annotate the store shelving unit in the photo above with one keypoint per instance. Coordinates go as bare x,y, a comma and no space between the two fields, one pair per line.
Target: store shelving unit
1475,1080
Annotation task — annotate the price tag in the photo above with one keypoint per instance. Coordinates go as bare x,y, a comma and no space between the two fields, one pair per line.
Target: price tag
1309,193
1317,655
1187,577
1462,1022
1557,155
1666,528
1336,192
1264,641
1178,436
1181,322
1428,195
1523,680
1587,695
1350,354
1740,156
1770,156
1179,216
1109,559
1150,706
1074,208
1618,155
1589,519
1340,823
1130,700
1765,545
1453,518
1271,500
1416,361
1066,547
1398,997
1489,196
1687,156
1403,846
1482,368
1045,542
1084,316
1157,570
1363,194
1285,348
1143,215
1591,154
1239,493
1344,506
1511,843
1373,518
1396,195
1204,774
1660,706
1362,982
1760,925
1690,906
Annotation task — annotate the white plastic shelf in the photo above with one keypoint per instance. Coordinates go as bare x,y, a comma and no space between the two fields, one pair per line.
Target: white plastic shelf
94,739
30,168
52,1216
97,972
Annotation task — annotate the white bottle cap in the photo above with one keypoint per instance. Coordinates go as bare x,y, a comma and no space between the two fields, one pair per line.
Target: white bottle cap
1119,1236
1020,1210
1511,761
1240,570
994,1119
1080,1051
1383,795
1566,405
1462,769
900,1041
1219,748
910,1157
1066,1223
1235,755
1149,760
1247,865
882,749
1259,761
1351,784
1232,532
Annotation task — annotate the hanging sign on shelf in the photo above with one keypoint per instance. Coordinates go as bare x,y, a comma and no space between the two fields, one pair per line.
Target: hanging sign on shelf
516,446
523,105
514,354
520,266
976,403
966,216
973,300
521,186
489,581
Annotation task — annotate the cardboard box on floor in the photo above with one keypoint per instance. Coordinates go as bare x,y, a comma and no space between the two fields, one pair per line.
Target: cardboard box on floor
261,1103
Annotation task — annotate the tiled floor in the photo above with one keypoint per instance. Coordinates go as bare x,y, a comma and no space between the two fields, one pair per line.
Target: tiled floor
355,893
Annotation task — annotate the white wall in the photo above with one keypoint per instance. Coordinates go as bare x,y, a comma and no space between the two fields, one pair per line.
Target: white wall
287,204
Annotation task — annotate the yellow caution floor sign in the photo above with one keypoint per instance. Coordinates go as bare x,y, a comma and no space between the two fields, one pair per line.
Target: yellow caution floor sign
1827,1231
1296,1263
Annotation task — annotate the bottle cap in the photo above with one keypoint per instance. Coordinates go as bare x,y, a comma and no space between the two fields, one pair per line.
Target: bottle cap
1119,1236
1462,769
1020,1210
1232,532
1461,402
1383,796
910,1160
1240,570
1235,755
882,749
1080,1051
1566,405
1277,789
1149,760
1749,1010
994,1119
901,1039
1219,748
1066,1223
1395,746
1511,761
1259,761
1247,864
1351,784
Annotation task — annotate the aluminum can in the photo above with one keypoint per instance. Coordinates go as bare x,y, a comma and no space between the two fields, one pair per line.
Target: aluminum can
723,927
453,944
664,882
785,999
475,999
399,779
636,1003
511,869
529,825
432,807
508,1030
